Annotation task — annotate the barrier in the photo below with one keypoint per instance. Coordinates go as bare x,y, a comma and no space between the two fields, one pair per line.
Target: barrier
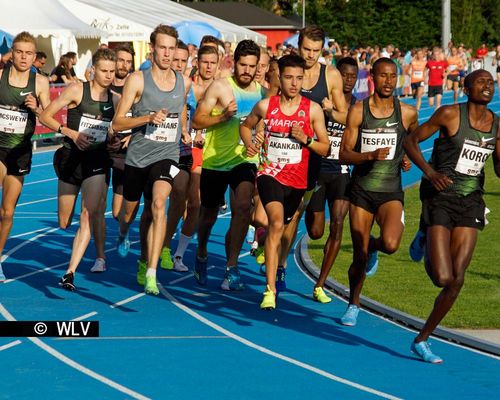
42,132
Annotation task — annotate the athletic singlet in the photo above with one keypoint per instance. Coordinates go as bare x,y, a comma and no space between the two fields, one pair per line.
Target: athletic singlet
454,64
222,150
417,70
92,118
116,89
331,164
17,122
374,133
191,103
283,157
462,157
152,143
436,72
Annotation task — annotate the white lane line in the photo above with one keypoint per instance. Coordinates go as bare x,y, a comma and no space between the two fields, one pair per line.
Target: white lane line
29,233
144,338
42,181
36,201
9,345
41,165
81,318
271,353
73,364
127,300
25,243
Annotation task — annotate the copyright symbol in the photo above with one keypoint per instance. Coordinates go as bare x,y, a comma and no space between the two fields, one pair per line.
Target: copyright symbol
40,328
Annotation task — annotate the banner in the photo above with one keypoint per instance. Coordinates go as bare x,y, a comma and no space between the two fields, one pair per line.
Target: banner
61,116
363,86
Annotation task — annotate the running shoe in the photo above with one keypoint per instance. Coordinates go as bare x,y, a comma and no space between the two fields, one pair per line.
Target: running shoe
320,296
254,245
232,280
280,279
422,349
268,300
67,282
2,276
223,207
150,286
166,259
179,265
200,270
99,265
350,316
123,245
372,265
142,267
250,234
260,256
417,246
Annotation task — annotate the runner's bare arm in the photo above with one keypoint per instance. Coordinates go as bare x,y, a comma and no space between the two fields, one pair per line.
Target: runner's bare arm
496,153
251,122
336,85
219,93
186,137
42,92
321,145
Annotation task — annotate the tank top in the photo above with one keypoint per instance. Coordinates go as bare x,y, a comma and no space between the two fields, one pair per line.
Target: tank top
151,143
223,149
92,118
417,70
17,122
462,157
284,158
380,176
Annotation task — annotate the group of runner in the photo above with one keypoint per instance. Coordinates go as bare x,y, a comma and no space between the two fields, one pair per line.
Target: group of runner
286,145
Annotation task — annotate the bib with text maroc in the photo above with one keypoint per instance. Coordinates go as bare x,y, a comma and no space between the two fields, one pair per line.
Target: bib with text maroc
473,156
13,121
164,132
373,139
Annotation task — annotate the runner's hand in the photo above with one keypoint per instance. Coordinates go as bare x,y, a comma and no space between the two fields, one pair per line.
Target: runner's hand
406,163
186,138
125,141
230,110
198,140
114,144
81,141
298,134
380,154
158,117
253,149
327,105
439,181
31,102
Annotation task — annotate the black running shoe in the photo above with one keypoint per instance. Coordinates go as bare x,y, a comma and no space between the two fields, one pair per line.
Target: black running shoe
67,282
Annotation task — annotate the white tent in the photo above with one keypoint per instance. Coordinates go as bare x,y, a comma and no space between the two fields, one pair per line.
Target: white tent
57,29
154,12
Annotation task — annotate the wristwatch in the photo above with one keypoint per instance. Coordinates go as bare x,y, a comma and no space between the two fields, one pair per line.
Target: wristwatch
309,141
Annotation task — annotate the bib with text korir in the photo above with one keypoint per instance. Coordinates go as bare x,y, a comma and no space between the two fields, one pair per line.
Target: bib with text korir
473,156
166,132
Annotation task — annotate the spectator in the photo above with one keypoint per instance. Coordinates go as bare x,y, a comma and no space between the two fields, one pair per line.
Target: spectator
39,63
62,73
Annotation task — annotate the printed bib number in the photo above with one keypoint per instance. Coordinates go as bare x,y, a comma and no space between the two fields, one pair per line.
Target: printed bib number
334,147
372,140
165,132
473,156
452,67
13,121
418,74
284,150
95,129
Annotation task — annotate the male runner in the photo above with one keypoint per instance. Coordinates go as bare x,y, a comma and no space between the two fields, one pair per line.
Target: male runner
23,96
157,98
82,163
453,72
333,182
437,71
291,123
373,142
452,192
225,104
418,76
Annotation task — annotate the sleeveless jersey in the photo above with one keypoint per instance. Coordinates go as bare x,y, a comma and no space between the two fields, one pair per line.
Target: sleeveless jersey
17,122
92,118
223,149
284,158
380,176
151,143
417,70
462,157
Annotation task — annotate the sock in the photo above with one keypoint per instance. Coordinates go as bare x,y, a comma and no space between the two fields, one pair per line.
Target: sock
151,272
182,246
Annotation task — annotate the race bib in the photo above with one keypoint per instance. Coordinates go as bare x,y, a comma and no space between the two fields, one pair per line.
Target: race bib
166,132
452,67
95,129
282,150
474,155
373,139
13,121
334,147
418,74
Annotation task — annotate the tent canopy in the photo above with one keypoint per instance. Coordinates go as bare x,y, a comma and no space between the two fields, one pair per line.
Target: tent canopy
5,41
193,31
155,12
294,41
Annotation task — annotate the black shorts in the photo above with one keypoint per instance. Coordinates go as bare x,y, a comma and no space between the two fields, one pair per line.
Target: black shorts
416,85
454,78
453,211
371,201
117,180
74,166
498,68
16,160
313,170
272,190
434,90
185,163
141,180
331,187
213,184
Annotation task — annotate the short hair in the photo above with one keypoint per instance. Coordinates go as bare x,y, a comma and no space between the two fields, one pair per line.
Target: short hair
181,45
71,54
381,60
245,48
126,47
165,30
207,39
207,50
471,78
103,54
291,60
24,37
347,61
313,32
40,55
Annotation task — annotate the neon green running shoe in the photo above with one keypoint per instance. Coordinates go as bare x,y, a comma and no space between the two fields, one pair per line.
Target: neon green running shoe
268,300
150,285
260,257
166,259
320,296
142,266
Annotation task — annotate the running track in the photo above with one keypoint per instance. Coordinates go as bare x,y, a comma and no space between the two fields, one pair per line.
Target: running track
193,343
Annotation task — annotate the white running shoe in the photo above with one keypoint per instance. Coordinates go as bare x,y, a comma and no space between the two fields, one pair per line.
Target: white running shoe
179,265
99,265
